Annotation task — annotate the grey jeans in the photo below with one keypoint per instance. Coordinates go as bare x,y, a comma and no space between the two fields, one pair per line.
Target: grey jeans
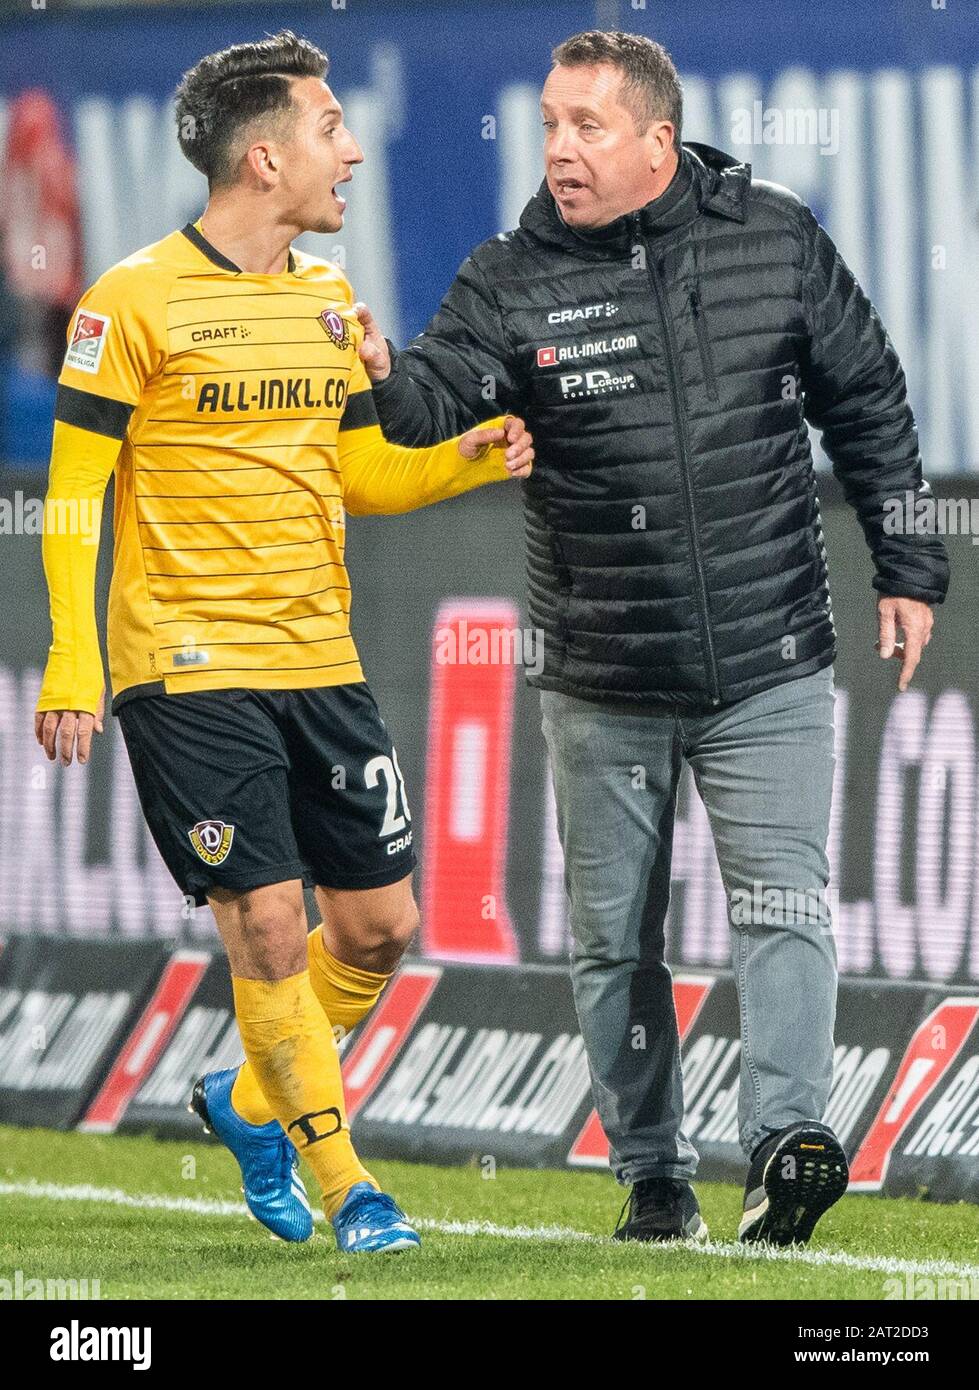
764,770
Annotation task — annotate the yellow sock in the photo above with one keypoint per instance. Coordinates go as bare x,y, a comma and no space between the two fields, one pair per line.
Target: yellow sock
291,1049
345,993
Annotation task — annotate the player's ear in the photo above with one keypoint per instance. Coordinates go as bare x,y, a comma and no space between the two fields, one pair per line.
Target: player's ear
264,160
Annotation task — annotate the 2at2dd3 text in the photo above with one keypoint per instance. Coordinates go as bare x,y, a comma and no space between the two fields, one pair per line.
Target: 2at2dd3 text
871,1331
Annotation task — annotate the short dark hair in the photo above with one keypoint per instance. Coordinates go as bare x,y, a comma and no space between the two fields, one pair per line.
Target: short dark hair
651,86
218,97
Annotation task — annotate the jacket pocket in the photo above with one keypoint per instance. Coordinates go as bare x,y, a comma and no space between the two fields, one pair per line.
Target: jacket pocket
706,355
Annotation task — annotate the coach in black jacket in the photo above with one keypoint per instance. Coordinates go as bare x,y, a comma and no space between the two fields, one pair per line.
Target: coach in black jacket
667,326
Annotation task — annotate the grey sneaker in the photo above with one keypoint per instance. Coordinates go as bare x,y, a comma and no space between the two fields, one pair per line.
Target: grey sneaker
661,1209
794,1176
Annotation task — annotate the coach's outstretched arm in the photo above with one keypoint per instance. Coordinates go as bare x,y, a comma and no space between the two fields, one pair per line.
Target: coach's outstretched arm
455,374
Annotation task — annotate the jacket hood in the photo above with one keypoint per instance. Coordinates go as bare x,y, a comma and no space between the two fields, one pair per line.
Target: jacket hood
707,180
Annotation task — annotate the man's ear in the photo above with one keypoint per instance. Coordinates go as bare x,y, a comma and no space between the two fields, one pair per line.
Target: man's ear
661,135
264,160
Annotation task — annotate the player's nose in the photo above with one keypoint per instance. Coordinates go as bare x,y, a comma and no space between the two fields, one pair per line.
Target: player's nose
352,153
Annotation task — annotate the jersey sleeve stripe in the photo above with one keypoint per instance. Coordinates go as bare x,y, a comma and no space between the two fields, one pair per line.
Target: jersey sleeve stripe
86,411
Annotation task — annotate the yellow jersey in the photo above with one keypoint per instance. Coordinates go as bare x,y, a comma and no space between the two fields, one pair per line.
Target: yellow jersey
238,417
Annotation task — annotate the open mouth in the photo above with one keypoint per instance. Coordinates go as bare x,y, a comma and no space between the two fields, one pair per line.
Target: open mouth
340,201
566,188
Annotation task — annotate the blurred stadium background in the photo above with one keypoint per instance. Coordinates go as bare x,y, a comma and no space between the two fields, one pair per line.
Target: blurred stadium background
443,98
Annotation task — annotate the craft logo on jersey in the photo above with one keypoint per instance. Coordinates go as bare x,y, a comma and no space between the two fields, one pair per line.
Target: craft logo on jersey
87,341
212,840
337,327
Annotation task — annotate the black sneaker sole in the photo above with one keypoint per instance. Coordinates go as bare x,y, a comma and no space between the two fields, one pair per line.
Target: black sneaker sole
785,1208
198,1105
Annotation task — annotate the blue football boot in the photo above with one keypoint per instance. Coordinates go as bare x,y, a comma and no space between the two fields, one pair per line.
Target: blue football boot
268,1161
371,1220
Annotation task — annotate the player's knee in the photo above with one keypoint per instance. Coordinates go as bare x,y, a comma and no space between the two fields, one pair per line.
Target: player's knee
407,927
275,950
265,932
391,933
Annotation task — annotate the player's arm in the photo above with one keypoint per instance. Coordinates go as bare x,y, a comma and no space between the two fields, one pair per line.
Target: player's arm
458,372
386,479
70,703
108,361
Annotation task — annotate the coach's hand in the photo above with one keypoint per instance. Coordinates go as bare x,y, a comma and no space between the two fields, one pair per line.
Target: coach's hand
59,731
915,619
519,456
374,349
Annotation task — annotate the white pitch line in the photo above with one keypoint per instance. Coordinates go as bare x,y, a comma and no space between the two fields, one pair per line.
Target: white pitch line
210,1206
880,1264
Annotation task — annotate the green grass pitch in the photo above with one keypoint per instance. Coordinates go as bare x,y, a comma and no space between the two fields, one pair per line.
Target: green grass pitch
154,1219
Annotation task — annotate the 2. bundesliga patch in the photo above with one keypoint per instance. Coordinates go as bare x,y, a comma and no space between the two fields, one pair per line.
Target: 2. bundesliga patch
212,840
87,341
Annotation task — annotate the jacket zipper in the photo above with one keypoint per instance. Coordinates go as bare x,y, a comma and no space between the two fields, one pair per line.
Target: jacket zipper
706,356
683,449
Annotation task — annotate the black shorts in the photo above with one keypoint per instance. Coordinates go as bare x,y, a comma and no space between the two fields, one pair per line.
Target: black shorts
242,788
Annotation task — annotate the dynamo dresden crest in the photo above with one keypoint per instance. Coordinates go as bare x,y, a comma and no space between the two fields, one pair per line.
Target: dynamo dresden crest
212,840
337,327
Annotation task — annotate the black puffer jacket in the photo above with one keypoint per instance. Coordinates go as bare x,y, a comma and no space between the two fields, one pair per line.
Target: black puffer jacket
667,365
